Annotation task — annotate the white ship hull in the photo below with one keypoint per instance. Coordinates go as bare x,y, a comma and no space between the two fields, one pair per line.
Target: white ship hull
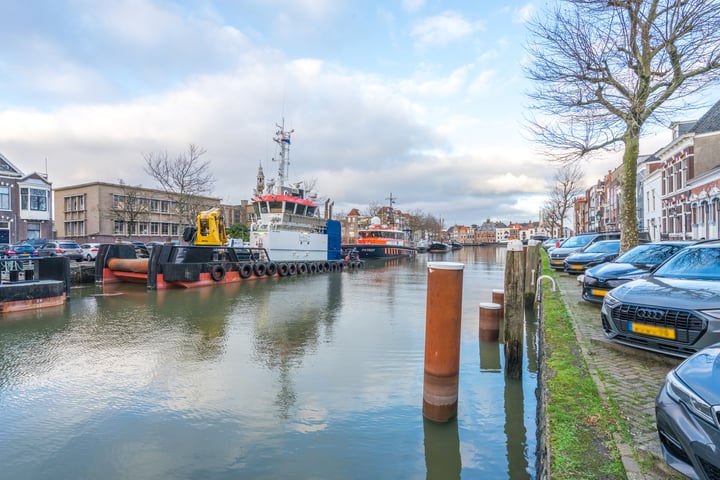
291,246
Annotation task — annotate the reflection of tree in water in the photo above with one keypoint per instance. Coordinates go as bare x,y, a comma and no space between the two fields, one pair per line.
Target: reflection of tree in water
292,318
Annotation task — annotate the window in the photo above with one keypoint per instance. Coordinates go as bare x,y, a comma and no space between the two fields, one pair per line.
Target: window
4,198
119,227
154,228
165,206
34,199
33,230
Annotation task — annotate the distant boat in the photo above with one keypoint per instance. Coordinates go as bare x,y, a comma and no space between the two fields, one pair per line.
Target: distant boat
382,241
422,246
455,245
439,247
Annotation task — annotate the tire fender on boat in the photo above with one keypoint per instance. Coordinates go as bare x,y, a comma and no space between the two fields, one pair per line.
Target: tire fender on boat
271,268
302,268
326,266
283,269
217,272
259,269
246,270
312,268
292,269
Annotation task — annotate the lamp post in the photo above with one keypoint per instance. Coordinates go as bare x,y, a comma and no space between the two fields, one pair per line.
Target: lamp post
652,223
598,217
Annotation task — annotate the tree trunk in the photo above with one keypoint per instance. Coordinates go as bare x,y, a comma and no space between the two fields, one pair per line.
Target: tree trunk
628,201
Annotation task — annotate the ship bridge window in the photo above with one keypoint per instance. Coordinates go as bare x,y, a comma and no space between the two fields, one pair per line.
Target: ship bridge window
300,209
311,211
276,207
263,207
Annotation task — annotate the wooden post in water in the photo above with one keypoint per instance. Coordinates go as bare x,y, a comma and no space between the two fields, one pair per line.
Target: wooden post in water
442,340
514,309
532,267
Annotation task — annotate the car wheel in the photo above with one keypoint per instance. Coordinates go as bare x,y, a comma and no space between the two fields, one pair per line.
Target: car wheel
88,257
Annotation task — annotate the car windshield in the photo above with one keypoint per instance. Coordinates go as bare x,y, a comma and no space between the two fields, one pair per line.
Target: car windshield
69,245
648,254
603,247
574,242
699,262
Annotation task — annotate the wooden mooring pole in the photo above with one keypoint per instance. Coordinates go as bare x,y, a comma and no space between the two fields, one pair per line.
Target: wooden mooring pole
442,340
532,268
514,309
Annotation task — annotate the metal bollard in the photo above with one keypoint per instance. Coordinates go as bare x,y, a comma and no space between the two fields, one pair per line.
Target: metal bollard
442,340
490,316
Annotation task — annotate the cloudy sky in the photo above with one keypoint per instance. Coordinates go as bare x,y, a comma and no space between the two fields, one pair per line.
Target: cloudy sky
421,99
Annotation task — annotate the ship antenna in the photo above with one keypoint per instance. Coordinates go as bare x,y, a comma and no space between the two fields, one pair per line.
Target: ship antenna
282,138
392,200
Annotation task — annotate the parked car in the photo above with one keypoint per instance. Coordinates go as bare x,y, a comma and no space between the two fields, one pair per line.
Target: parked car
552,243
674,310
594,254
35,242
632,264
4,247
577,242
21,251
687,412
62,248
90,251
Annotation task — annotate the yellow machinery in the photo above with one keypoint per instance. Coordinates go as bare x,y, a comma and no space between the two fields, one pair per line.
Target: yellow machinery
211,228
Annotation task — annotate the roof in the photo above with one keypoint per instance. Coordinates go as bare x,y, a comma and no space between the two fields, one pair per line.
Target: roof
710,122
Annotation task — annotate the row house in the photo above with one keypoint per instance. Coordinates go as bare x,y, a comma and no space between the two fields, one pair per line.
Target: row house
678,187
25,204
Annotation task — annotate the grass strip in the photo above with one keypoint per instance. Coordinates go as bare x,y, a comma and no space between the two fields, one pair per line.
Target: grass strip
579,423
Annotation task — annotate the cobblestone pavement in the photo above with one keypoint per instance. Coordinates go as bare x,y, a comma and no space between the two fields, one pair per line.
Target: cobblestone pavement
629,377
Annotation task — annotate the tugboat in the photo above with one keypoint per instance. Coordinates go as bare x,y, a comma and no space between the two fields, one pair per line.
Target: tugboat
288,237
383,241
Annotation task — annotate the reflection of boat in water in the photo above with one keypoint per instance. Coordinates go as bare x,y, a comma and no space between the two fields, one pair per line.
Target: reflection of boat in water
439,247
380,240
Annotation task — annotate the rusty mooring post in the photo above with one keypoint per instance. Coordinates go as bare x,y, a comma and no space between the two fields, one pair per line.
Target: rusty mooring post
442,340
514,309
489,321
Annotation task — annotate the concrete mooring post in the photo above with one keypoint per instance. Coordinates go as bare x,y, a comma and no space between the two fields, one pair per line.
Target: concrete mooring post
514,309
442,340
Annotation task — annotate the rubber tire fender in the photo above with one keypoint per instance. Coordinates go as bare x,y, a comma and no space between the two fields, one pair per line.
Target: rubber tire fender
259,269
217,272
246,270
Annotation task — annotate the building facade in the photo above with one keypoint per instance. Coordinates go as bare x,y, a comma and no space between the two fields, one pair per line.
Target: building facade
25,204
105,212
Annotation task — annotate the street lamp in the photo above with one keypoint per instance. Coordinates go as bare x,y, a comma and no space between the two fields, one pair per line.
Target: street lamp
598,216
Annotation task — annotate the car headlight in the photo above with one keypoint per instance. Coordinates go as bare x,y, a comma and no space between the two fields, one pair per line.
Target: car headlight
679,392
712,313
590,280
616,282
609,301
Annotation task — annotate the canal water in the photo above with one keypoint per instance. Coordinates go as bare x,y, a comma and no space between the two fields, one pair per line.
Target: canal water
312,377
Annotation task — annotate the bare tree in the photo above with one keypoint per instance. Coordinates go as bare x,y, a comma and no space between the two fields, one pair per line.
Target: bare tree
183,179
605,69
129,207
565,190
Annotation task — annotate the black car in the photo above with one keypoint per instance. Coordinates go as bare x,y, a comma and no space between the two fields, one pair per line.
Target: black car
674,310
687,412
594,254
575,243
632,264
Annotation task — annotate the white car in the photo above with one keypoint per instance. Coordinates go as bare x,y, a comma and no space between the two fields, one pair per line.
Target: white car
90,251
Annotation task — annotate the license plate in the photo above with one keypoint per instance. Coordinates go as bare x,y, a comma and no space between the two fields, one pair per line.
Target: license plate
652,330
556,262
598,293
576,267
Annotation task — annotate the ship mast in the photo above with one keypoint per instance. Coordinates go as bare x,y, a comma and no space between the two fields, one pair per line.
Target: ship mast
391,214
282,138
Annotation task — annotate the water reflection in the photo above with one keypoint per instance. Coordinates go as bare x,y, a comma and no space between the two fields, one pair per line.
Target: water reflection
442,450
317,376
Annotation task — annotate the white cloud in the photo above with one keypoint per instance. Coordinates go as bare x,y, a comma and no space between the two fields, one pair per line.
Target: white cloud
443,29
